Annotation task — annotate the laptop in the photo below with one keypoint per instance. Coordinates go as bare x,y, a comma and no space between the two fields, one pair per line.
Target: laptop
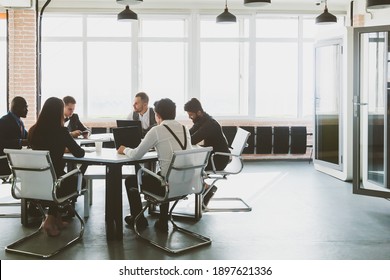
125,123
129,136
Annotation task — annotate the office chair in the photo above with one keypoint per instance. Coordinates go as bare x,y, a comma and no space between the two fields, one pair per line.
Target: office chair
34,179
184,177
6,179
235,166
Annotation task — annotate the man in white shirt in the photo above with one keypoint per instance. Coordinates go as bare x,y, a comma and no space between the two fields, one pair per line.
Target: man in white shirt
166,137
142,112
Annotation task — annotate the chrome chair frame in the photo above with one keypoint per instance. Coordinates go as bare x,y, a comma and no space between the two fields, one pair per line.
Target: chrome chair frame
174,191
235,166
7,180
20,165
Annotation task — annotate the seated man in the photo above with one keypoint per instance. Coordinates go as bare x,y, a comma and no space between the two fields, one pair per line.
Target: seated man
168,136
142,112
209,131
72,120
75,127
13,134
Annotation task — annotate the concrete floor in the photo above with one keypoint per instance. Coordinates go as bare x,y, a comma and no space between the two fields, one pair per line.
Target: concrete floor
298,214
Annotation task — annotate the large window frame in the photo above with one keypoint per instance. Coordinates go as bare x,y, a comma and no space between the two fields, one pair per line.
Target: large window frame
192,42
3,67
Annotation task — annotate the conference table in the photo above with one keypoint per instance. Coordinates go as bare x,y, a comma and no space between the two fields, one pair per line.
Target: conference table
113,200
93,138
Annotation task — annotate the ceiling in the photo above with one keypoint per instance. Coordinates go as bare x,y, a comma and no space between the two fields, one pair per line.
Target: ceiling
276,5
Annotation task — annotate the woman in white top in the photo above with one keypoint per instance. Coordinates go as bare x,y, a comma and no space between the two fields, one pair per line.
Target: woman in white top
168,136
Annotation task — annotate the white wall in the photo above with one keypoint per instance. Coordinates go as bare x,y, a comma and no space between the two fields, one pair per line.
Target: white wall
373,16
279,6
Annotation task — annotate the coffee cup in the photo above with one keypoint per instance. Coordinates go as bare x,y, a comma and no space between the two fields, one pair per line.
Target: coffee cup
98,146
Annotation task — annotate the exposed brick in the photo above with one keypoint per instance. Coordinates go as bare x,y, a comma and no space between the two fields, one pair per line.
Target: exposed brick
22,53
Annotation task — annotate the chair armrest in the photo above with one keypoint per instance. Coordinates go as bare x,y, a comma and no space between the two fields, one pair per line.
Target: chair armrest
69,174
151,173
221,154
156,198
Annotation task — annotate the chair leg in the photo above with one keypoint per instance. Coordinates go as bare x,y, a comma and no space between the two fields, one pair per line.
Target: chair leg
17,246
201,240
196,215
244,208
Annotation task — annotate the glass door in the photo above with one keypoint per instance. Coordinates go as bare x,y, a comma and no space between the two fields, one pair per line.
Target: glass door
328,136
371,111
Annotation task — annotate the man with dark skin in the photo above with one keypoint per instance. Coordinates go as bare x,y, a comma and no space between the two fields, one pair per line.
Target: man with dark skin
13,134
207,132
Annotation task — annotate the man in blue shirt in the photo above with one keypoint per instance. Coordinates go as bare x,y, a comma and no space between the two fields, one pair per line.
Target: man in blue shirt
13,134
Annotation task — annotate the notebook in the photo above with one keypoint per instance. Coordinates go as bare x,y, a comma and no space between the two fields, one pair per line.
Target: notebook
129,136
125,123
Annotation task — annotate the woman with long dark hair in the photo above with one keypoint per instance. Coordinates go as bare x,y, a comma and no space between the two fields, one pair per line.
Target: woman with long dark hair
49,133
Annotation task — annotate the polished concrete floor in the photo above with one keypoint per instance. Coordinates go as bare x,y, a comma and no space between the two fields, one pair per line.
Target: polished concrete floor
298,214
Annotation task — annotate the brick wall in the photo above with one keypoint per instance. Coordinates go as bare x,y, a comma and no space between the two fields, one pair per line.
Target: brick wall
22,59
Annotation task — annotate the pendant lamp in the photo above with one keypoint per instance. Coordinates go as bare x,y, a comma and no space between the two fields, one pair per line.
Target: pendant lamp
129,2
226,17
256,3
127,15
378,4
326,17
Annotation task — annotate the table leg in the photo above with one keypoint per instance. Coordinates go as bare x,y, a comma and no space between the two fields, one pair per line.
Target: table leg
198,206
114,223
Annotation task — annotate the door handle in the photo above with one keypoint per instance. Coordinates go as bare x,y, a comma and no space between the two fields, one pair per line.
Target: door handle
356,104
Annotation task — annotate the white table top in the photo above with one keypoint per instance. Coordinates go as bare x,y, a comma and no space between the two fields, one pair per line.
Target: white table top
101,137
108,155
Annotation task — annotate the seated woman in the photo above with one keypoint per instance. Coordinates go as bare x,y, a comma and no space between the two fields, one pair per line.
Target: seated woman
50,134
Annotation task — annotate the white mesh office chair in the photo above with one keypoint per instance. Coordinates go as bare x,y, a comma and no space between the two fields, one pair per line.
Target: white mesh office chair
6,179
235,166
34,179
184,177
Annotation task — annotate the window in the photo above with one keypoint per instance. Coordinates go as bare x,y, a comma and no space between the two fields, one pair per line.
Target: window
262,66
277,67
224,55
62,60
63,71
163,60
276,79
3,67
89,58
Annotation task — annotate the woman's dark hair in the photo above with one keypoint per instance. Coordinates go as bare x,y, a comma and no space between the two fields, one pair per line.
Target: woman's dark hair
49,119
193,106
166,108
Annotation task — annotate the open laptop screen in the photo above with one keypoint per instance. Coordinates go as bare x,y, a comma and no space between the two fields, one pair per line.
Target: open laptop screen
127,136
124,123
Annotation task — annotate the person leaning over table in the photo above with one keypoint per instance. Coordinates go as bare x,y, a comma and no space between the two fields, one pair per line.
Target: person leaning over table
72,121
49,133
208,130
162,138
